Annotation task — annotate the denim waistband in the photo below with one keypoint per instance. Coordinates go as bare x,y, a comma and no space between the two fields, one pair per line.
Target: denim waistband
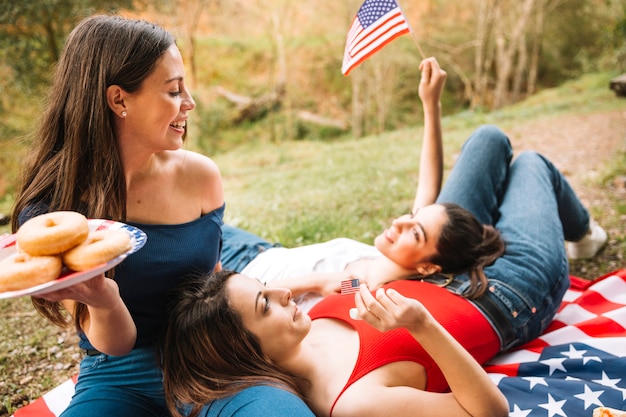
498,318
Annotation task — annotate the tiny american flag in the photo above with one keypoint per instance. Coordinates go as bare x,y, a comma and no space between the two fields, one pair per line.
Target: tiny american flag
377,23
349,286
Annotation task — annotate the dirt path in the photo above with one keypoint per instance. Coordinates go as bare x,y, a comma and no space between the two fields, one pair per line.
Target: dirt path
582,147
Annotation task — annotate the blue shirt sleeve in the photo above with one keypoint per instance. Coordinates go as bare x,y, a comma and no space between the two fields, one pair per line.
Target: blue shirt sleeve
258,401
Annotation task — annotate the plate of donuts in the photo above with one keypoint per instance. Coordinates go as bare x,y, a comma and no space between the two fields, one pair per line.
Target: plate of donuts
59,249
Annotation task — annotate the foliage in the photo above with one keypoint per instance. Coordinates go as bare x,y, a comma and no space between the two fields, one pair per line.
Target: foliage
235,45
32,33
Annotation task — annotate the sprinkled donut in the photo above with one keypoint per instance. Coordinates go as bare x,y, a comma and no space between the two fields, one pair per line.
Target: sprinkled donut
21,270
52,233
100,246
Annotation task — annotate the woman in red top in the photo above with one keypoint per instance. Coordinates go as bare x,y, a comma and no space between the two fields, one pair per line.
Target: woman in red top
412,348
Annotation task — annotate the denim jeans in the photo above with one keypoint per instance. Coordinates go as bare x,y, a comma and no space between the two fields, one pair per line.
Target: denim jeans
535,209
120,386
241,247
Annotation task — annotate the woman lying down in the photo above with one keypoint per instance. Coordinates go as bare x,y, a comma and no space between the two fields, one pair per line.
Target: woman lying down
404,350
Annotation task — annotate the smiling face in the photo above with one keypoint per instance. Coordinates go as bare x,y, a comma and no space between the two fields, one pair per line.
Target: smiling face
156,114
412,238
270,314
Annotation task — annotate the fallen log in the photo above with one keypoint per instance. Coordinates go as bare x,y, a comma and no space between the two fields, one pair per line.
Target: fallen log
250,109
316,119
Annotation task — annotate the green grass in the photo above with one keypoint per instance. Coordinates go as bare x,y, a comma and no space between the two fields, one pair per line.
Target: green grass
309,191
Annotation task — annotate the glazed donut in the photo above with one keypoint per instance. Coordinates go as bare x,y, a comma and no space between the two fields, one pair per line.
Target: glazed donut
100,246
21,270
52,233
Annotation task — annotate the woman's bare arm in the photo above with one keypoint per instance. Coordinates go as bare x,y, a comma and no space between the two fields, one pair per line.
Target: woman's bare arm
431,155
108,324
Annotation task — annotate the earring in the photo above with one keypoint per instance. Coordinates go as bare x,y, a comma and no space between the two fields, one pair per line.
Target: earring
124,113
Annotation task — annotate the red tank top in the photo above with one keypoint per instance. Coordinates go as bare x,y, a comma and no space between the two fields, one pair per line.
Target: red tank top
462,320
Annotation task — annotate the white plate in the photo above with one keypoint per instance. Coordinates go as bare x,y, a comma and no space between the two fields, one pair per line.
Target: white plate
69,277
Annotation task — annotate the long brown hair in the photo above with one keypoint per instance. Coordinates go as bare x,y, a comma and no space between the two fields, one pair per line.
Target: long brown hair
206,352
466,245
75,163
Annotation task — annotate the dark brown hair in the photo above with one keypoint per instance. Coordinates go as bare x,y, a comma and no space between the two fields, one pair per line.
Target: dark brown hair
206,352
75,163
466,245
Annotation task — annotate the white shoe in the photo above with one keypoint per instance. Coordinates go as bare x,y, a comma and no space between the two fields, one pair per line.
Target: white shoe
588,246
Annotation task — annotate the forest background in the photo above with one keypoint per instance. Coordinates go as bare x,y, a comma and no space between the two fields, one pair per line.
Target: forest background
268,71
301,147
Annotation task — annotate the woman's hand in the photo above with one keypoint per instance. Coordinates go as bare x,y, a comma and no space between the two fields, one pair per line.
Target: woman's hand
432,82
90,292
390,310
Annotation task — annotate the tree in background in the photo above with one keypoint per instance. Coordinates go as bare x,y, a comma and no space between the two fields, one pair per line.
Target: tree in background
32,33
277,62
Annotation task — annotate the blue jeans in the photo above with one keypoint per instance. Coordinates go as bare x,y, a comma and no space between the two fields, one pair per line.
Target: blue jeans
258,401
535,209
120,386
240,247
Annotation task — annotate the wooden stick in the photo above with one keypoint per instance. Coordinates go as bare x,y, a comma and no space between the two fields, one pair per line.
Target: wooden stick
411,31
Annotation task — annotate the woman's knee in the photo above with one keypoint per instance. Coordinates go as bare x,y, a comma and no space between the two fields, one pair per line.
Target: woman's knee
490,139
530,160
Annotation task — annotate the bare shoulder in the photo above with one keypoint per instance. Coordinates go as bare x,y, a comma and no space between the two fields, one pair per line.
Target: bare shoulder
195,164
199,177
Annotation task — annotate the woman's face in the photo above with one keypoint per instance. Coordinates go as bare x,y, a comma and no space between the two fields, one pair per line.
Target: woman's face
156,114
412,238
270,314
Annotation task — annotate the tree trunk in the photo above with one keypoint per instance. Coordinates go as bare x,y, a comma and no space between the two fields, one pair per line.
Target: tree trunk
506,50
484,56
520,69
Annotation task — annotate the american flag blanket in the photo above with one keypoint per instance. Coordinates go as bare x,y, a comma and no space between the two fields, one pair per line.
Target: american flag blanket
576,366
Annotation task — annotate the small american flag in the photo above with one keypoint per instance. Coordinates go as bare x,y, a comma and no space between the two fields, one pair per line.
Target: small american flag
349,286
377,23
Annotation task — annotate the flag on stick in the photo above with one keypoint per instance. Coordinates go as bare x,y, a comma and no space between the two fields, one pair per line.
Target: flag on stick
377,23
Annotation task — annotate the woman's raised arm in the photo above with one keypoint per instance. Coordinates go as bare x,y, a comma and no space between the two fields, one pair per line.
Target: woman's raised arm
431,156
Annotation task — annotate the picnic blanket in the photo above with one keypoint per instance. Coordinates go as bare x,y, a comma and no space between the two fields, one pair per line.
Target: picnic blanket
575,366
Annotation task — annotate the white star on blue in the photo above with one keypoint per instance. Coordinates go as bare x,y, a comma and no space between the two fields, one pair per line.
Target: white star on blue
372,10
563,382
